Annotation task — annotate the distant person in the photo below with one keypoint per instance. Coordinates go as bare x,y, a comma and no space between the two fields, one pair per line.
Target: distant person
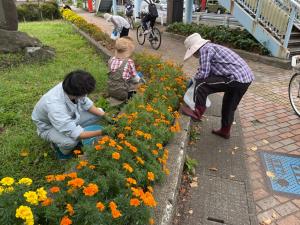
148,13
123,78
121,25
221,70
129,8
63,112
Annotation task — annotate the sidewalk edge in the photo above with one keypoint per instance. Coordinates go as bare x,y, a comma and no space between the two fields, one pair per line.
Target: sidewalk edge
272,61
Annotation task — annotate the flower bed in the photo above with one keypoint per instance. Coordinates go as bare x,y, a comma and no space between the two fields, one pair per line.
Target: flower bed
232,38
115,184
95,32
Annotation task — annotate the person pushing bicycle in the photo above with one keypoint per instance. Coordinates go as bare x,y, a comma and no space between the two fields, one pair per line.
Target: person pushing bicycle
149,10
129,8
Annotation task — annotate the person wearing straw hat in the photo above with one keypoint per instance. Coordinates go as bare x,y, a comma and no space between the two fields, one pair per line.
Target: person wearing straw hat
121,25
123,78
221,70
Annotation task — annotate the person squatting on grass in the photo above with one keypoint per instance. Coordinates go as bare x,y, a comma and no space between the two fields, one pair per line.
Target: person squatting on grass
121,25
62,113
123,79
221,70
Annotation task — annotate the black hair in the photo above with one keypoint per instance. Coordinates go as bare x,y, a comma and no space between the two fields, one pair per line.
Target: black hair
79,83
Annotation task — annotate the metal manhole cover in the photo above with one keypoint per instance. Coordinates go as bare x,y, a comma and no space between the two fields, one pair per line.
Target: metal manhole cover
282,172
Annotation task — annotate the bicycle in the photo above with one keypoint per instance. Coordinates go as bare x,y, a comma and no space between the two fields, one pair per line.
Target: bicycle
294,85
153,36
130,21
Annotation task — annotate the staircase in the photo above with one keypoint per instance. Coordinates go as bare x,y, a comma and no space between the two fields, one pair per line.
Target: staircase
274,23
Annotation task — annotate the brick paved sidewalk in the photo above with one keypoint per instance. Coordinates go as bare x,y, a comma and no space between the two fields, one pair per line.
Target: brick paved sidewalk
267,119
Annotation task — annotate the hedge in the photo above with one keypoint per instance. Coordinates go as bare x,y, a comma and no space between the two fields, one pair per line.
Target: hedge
35,12
232,38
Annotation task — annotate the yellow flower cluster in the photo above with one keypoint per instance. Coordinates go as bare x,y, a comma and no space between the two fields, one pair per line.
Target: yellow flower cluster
25,213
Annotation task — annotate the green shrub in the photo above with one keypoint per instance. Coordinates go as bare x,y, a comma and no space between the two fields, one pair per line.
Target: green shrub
79,4
233,38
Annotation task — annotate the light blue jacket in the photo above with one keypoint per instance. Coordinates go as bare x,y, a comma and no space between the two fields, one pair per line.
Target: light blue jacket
56,110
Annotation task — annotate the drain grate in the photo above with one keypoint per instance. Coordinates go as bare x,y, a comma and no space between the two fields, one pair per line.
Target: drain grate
215,220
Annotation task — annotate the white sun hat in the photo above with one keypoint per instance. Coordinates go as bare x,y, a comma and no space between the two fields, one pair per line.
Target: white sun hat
107,17
192,43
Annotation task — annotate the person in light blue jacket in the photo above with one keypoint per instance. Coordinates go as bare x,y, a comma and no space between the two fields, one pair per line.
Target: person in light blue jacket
63,112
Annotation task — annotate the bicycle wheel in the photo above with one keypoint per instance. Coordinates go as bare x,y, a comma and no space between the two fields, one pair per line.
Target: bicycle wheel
155,38
140,35
294,92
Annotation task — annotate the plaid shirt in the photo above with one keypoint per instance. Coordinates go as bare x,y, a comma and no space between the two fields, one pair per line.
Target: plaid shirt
221,61
129,69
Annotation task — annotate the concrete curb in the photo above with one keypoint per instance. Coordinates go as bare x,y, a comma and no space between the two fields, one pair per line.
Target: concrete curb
165,193
272,61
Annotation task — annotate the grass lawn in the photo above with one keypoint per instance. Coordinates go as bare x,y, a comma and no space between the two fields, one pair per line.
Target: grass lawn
22,152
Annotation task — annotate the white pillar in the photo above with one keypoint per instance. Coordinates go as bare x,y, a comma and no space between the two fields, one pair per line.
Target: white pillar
188,11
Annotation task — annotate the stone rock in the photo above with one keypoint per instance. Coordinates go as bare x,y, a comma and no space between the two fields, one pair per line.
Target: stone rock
39,53
8,15
16,41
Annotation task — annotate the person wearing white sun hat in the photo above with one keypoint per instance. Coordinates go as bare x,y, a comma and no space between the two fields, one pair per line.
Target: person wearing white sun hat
220,70
121,25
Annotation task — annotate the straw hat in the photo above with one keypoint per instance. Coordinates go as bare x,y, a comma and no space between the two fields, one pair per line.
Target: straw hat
124,47
107,17
192,43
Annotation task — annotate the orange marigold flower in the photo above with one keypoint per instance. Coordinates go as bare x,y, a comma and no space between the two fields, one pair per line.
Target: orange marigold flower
112,143
159,145
112,205
92,167
105,138
70,209
50,178
150,189
47,202
150,176
155,152
90,190
134,202
54,189
133,149
65,221
119,147
77,182
121,136
166,171
82,164
140,160
131,180
72,175
127,167
148,199
98,147
147,136
60,177
115,155
77,152
151,221
115,213
100,206
137,192
139,133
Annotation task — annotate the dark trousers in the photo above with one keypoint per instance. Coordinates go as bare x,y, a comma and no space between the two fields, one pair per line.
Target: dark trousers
233,93
146,19
124,32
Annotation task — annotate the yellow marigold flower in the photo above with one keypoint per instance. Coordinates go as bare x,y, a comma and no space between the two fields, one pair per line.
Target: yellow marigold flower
1,190
140,160
42,194
77,182
150,176
151,221
166,171
7,181
50,178
134,202
9,189
155,152
70,209
176,114
54,189
65,221
170,109
159,146
131,180
115,155
31,197
24,212
127,128
90,190
150,189
47,202
100,206
127,167
60,177
25,181
121,136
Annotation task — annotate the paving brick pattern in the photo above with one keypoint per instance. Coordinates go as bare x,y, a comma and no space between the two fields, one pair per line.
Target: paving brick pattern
270,124
267,119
